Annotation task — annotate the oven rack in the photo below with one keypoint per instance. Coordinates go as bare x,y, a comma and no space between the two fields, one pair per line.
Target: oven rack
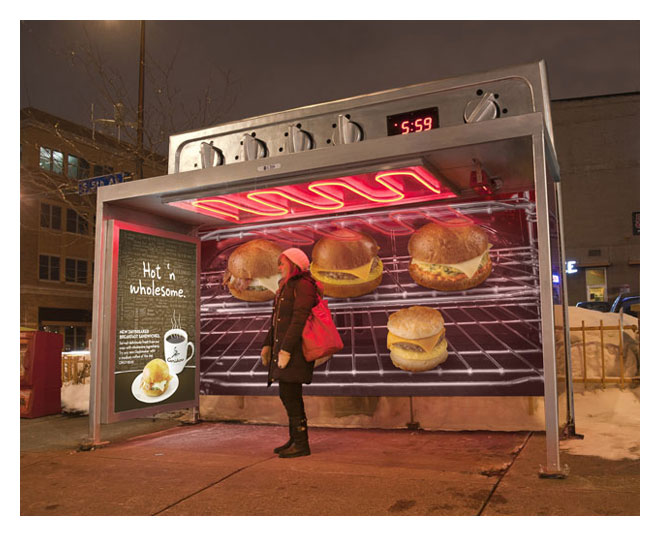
396,215
494,348
514,274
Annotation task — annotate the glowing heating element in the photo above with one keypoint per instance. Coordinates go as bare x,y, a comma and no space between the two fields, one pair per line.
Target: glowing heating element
354,192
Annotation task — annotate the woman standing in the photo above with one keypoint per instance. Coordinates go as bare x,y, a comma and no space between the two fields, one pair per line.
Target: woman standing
282,350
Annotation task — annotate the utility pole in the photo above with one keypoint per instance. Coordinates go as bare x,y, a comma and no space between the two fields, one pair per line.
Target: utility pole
140,120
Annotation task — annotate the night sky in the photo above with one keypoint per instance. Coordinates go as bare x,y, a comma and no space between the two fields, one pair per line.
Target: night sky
257,67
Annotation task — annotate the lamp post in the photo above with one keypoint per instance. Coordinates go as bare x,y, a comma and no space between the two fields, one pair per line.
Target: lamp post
140,119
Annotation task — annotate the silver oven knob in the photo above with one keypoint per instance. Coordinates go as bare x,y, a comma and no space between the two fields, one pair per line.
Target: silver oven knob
481,109
211,156
253,148
298,140
346,131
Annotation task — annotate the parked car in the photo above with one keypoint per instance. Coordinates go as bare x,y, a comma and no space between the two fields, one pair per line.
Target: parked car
628,303
601,306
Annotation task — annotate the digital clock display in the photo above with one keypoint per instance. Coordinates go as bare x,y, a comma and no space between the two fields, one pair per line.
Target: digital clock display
409,122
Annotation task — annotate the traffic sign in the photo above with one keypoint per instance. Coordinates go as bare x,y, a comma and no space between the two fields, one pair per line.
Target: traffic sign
89,186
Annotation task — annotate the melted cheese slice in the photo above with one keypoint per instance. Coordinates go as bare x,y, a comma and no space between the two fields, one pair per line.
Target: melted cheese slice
361,272
469,267
427,343
271,283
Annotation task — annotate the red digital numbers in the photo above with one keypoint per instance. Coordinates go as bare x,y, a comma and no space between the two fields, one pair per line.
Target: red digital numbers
414,121
420,124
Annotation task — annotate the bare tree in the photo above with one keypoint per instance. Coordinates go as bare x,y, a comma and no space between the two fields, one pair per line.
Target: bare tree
166,111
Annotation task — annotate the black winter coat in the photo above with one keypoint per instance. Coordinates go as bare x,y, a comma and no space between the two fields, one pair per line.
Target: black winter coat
292,307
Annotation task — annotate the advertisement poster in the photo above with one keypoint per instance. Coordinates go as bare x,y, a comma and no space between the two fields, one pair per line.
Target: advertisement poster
156,347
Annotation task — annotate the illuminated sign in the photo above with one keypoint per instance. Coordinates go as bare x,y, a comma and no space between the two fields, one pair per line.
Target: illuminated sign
555,279
570,267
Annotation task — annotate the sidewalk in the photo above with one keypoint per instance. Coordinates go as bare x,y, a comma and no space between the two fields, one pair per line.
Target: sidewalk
230,469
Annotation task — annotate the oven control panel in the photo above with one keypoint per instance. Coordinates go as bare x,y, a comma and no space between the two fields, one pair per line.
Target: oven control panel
408,111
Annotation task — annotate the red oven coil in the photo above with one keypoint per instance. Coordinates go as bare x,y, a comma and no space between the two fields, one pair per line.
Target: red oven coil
350,193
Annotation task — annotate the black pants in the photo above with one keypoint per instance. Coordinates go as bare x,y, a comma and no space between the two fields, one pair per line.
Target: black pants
291,396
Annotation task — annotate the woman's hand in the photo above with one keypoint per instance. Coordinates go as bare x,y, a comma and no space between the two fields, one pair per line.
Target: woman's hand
283,358
265,355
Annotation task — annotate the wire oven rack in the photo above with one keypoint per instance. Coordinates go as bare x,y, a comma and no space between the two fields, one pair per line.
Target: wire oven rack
493,334
492,348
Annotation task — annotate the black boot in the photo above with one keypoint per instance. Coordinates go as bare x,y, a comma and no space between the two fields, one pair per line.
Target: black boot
289,442
300,445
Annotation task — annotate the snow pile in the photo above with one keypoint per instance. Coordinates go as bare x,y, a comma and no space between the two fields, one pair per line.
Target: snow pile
609,419
610,344
75,397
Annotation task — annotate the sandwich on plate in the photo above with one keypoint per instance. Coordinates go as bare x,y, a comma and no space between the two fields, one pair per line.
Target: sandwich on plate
155,377
347,264
416,338
252,273
449,257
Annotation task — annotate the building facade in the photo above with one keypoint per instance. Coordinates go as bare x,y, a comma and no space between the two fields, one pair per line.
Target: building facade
57,224
597,143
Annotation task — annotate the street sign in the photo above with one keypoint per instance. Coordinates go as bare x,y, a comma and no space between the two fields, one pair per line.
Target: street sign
89,186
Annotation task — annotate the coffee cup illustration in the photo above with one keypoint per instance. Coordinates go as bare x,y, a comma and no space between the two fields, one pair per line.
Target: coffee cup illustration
176,347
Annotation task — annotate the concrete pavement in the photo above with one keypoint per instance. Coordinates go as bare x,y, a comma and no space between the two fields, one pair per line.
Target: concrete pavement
215,468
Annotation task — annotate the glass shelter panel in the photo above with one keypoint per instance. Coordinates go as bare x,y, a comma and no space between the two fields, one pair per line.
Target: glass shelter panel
492,330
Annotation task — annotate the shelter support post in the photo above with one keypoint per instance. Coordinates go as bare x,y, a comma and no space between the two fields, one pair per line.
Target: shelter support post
552,468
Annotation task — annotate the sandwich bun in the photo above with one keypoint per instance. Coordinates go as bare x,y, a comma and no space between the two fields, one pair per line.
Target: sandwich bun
155,377
416,322
347,250
418,342
256,259
433,247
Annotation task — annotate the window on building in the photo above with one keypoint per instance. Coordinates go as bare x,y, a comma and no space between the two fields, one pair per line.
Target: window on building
51,160
100,170
51,216
596,284
75,271
78,168
49,268
75,223
75,338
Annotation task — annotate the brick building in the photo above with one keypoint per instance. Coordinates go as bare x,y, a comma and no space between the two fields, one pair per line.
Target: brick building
57,224
597,143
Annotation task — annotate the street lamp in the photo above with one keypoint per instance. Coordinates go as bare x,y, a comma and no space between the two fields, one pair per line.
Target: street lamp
119,117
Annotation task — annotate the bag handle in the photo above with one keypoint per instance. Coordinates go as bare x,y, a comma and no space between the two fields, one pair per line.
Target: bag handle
318,287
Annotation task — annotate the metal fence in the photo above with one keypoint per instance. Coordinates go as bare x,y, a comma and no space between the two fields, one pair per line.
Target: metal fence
608,363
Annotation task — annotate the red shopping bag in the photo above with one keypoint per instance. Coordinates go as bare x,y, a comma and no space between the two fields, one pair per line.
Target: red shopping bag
320,338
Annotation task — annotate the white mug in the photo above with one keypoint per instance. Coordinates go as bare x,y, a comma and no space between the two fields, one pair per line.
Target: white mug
176,347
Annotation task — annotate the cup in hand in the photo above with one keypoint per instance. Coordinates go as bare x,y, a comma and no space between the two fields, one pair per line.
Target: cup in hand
176,348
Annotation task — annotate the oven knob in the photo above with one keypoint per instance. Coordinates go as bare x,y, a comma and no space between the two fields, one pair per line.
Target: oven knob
253,148
481,109
346,131
211,156
298,140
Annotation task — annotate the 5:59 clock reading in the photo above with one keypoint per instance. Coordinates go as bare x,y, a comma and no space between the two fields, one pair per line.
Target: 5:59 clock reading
415,121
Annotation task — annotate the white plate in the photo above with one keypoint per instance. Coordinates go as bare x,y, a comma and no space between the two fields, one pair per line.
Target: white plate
143,397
